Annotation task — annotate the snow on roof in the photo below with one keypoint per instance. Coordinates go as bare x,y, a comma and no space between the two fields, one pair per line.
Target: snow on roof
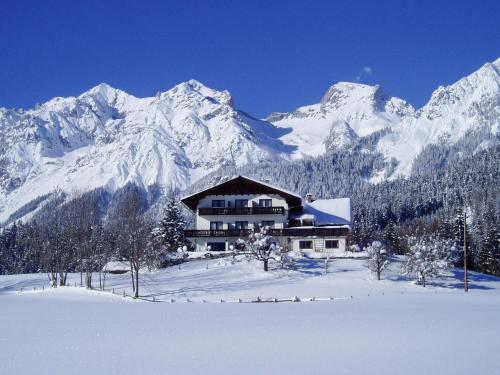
116,266
328,211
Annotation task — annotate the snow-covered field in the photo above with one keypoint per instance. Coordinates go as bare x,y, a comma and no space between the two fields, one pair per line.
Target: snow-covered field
389,326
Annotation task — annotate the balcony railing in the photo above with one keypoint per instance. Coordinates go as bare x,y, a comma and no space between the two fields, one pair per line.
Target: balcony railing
306,232
218,233
287,232
241,211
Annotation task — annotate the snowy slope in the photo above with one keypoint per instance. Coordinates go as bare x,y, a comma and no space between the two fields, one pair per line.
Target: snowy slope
388,327
470,103
349,111
106,137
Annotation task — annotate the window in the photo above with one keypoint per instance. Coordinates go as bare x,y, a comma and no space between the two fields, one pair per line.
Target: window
305,245
239,203
265,202
241,224
216,225
269,224
218,203
217,246
331,244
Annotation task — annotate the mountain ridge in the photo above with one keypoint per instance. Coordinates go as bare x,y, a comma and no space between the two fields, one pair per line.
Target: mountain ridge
107,138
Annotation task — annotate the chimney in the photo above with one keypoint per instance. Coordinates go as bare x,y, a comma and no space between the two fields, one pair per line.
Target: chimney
309,198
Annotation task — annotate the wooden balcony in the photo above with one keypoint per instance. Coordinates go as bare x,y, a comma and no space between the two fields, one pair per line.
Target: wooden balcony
218,233
241,211
287,232
306,232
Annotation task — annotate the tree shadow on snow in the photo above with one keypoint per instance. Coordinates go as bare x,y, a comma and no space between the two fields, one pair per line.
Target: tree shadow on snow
24,284
311,267
456,281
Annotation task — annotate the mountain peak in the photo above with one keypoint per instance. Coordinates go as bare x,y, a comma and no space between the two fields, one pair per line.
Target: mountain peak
102,88
197,85
342,91
481,86
104,92
107,138
194,88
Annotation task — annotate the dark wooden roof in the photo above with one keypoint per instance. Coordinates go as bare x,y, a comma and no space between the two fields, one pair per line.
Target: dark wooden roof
241,185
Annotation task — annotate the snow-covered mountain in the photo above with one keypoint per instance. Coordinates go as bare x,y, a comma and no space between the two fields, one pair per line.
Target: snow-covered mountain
107,138
346,111
471,103
349,110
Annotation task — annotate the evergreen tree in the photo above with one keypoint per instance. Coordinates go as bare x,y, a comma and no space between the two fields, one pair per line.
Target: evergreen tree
391,238
458,230
168,235
489,258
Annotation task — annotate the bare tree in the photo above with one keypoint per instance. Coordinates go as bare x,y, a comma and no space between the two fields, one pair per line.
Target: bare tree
133,232
57,252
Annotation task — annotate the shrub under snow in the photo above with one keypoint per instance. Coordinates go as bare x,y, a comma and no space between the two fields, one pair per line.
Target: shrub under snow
378,258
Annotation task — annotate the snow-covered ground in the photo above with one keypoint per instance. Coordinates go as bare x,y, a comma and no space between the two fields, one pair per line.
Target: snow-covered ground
390,326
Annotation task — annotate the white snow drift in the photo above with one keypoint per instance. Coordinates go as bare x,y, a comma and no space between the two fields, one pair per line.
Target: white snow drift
388,327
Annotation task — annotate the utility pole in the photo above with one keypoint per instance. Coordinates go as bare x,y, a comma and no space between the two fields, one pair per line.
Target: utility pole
466,281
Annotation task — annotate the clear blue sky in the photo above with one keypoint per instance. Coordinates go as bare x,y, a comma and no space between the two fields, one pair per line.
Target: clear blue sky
272,55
